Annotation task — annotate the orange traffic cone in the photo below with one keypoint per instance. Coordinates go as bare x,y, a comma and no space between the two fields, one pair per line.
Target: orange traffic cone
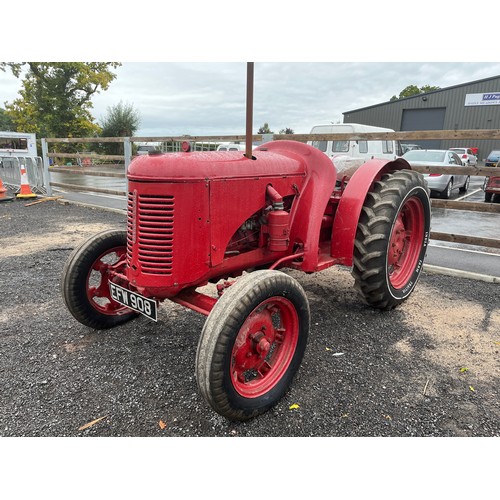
25,185
3,193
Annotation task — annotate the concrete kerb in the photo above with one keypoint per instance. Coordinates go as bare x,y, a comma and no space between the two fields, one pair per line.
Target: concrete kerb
458,273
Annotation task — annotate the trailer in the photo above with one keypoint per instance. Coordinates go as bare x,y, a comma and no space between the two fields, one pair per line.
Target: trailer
18,144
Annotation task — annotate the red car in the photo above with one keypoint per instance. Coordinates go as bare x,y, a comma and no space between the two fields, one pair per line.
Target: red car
491,187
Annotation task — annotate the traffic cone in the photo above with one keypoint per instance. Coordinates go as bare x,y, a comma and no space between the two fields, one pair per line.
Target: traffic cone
3,193
25,185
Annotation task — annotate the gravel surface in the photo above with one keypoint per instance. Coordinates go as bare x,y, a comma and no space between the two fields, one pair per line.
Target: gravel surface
429,368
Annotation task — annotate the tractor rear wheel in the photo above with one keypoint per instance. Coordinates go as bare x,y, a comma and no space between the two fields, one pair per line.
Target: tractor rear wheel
252,344
391,239
85,278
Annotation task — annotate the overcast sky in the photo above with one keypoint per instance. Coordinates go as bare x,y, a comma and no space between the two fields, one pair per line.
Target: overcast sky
209,98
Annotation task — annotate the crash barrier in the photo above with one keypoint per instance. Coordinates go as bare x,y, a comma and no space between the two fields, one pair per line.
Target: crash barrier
202,143
10,172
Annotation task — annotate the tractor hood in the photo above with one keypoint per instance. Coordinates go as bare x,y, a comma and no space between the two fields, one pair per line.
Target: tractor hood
269,160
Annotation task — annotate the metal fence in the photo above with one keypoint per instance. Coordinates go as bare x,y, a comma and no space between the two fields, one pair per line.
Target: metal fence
10,172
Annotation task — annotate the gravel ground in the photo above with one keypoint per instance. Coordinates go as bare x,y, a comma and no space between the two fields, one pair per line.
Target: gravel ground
429,368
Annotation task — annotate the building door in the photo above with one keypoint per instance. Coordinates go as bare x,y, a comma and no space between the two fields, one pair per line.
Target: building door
424,119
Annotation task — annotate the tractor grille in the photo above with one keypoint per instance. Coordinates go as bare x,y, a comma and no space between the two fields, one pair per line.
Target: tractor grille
151,231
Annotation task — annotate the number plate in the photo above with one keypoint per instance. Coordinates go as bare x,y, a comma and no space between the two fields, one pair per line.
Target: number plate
134,301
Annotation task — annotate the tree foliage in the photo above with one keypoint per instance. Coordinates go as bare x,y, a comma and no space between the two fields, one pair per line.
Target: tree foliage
56,97
5,121
287,130
265,129
412,90
122,120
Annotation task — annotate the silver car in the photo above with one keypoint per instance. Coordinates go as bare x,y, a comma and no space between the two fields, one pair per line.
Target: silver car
444,184
467,156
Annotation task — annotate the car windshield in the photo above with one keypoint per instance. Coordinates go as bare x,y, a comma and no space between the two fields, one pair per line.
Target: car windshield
494,154
422,155
458,150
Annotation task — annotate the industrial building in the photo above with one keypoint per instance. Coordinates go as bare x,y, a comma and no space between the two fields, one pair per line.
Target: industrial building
473,105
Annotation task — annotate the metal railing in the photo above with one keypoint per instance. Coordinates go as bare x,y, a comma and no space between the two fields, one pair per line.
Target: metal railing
10,172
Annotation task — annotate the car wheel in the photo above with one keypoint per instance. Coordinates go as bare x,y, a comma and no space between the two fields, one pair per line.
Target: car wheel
447,192
465,187
487,197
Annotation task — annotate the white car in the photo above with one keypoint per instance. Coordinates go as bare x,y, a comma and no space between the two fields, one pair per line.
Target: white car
467,156
443,184
145,150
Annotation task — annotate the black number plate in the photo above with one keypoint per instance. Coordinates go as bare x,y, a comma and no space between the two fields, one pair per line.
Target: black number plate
134,301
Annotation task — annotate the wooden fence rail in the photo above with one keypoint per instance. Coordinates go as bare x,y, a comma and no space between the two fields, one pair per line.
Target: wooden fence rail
400,136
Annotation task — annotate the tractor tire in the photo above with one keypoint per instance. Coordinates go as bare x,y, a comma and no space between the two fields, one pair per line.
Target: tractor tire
391,239
252,344
84,283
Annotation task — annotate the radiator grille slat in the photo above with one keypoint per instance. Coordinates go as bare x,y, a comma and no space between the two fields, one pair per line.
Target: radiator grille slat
152,231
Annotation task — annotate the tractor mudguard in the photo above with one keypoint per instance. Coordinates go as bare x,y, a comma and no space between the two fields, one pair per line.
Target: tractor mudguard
351,203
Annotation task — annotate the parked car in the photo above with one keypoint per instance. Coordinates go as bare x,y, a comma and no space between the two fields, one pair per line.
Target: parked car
491,187
409,147
492,159
468,157
444,184
145,150
232,147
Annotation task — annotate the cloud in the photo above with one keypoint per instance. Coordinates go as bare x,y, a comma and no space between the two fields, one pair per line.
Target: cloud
209,98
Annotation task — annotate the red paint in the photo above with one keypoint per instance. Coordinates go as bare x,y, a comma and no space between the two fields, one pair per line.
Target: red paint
201,216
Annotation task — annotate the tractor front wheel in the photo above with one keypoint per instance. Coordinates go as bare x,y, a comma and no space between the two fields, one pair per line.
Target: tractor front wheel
85,287
391,239
252,344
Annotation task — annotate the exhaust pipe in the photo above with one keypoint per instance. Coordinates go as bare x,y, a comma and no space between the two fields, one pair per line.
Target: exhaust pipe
248,147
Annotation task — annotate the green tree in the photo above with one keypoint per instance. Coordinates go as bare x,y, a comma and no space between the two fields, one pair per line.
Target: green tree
412,90
56,97
122,120
265,129
6,122
287,130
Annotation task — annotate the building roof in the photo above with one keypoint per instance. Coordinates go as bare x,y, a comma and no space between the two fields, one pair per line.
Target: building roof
424,93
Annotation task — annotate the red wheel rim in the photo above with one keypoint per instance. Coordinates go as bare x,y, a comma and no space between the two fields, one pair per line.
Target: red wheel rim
264,347
104,269
405,242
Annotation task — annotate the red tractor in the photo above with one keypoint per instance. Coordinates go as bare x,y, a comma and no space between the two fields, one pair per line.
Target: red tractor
225,218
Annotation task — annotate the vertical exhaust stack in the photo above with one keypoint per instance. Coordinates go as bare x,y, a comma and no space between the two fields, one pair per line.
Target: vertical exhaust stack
248,147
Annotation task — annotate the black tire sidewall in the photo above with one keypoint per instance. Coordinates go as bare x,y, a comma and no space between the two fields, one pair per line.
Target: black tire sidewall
221,329
402,293
269,399
75,275
376,224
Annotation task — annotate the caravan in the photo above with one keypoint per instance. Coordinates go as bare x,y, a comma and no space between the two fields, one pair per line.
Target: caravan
386,149
18,144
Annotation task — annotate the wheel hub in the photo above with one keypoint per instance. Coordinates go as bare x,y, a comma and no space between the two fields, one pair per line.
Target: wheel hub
398,241
264,347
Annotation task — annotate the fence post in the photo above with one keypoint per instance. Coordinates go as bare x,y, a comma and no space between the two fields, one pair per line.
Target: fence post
127,152
46,174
